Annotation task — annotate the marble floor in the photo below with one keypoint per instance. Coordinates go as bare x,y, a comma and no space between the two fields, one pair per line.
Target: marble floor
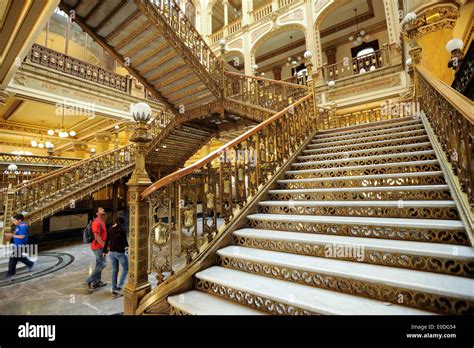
63,291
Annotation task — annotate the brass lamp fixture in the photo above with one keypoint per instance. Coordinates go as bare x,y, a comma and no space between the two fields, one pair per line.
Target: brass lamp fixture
455,47
360,34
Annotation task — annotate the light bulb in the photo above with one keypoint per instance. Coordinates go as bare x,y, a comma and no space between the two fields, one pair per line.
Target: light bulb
359,39
351,38
72,133
362,32
34,143
41,145
50,132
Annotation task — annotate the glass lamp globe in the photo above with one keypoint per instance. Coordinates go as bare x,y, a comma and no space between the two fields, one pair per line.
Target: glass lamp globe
34,143
72,133
50,132
308,55
12,167
41,145
141,112
222,43
454,44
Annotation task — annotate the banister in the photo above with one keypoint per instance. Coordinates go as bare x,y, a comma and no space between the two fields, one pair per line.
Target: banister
202,162
463,105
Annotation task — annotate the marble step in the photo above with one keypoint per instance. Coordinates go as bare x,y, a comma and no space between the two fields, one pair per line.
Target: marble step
368,145
405,127
385,168
201,303
440,293
384,123
370,160
420,131
439,258
419,230
384,150
428,209
277,296
377,180
419,192
371,127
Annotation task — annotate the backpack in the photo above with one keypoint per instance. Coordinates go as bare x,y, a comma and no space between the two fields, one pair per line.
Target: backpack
87,235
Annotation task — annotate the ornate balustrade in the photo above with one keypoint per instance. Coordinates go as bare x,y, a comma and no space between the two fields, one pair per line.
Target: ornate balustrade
55,60
297,79
190,208
187,33
329,118
8,158
359,65
56,187
261,12
452,119
227,30
262,92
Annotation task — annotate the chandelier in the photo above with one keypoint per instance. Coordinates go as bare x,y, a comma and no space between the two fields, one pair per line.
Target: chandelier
360,34
60,130
291,59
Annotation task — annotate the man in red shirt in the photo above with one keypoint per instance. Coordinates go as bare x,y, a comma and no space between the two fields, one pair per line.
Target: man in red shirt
100,236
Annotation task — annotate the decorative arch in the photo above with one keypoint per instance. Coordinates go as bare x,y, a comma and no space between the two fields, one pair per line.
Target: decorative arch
275,31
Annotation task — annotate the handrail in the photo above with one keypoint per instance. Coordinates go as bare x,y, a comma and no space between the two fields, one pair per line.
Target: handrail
217,153
463,105
450,115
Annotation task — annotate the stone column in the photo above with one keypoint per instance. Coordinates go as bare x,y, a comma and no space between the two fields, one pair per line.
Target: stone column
247,8
103,140
225,3
393,21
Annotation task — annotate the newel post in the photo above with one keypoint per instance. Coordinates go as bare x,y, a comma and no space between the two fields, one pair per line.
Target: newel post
311,86
138,285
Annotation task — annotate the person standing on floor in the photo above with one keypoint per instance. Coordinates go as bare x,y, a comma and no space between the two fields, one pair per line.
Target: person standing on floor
117,244
97,246
20,240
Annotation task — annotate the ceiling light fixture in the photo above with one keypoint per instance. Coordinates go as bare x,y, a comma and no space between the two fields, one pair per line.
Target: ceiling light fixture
360,34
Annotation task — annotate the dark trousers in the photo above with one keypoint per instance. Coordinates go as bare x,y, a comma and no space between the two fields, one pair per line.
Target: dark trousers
14,260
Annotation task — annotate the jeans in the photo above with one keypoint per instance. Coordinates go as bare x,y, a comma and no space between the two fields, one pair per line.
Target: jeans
14,258
117,258
100,262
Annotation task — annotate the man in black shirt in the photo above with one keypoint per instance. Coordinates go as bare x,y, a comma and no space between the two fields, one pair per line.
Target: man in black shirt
117,244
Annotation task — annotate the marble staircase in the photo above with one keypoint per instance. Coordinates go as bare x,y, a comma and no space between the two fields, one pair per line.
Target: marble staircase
363,223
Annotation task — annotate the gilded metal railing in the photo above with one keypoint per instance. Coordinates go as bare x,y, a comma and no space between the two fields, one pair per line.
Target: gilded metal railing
262,92
298,79
188,209
329,118
358,65
187,33
452,119
55,60
32,196
37,160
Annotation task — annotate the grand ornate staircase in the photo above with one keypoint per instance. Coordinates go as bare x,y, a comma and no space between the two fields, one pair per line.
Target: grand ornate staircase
156,42
362,223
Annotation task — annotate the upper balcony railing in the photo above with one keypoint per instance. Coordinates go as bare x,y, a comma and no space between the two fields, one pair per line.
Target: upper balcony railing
72,66
37,160
256,15
359,65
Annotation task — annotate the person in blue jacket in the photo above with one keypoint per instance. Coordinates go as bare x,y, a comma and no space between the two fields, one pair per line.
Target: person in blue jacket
20,238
